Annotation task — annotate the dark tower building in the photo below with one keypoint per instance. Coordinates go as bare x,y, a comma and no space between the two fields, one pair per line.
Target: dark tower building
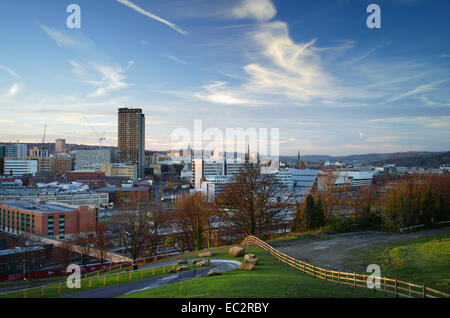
131,138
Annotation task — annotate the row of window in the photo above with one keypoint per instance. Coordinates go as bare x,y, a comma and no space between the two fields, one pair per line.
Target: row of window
16,221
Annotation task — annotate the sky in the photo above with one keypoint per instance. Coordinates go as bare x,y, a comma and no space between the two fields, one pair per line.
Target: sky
312,69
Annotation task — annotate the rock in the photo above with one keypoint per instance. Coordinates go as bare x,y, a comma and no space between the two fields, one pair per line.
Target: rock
205,254
171,270
195,261
182,261
247,266
237,251
204,262
250,258
213,272
182,268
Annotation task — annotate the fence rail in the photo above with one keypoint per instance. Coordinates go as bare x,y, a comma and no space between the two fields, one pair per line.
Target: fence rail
389,285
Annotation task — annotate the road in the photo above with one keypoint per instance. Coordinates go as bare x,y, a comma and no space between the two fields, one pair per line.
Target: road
122,289
331,251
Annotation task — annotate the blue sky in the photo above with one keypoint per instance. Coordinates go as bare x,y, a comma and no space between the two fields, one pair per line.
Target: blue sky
310,68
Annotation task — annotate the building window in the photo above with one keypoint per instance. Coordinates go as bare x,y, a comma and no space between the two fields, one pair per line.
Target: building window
32,224
28,223
50,226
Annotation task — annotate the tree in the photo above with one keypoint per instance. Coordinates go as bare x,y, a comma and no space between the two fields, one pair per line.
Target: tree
140,226
84,244
63,253
101,243
28,244
192,214
252,203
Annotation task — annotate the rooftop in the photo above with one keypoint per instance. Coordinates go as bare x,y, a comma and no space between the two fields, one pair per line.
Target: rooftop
41,207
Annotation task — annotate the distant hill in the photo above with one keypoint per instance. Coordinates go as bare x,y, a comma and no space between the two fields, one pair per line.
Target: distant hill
406,159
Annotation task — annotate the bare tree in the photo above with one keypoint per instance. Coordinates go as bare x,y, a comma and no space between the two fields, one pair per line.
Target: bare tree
84,244
29,256
101,243
140,226
253,203
63,253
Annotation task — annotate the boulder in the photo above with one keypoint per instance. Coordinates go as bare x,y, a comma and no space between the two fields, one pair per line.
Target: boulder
204,262
237,251
182,268
182,261
213,272
205,254
247,266
250,258
195,261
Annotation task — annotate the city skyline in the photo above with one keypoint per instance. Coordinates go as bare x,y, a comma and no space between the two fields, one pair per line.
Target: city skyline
314,70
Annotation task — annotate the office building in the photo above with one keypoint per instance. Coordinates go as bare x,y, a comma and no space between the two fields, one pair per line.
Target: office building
16,150
63,164
53,220
86,159
120,170
16,167
131,138
60,145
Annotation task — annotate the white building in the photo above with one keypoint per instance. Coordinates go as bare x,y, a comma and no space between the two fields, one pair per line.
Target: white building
88,158
20,167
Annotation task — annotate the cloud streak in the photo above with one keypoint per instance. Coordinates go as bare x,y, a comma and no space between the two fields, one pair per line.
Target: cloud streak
9,71
152,16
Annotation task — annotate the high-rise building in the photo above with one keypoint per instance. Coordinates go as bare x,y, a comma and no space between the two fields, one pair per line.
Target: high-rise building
131,138
60,145
16,150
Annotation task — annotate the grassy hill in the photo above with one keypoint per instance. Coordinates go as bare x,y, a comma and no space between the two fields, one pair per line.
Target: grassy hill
424,260
270,279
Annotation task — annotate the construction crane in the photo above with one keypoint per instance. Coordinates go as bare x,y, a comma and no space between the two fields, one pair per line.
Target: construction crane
100,139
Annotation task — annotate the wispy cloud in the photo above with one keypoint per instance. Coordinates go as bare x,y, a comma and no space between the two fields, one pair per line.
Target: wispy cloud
175,59
218,93
62,39
10,71
152,16
419,89
112,78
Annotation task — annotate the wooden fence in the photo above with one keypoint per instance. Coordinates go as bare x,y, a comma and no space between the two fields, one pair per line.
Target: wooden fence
389,285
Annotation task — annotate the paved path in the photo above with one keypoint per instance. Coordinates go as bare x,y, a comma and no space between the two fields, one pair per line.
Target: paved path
114,291
331,251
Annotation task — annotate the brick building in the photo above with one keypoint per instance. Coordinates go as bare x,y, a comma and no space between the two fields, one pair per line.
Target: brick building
52,220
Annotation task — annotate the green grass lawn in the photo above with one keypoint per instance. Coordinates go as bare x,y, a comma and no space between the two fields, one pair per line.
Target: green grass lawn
52,290
424,260
271,279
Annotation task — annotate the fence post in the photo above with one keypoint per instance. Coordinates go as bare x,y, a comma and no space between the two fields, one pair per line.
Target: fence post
396,287
354,279
104,281
90,283
409,289
314,270
142,273
130,275
118,277
42,292
59,289
339,276
423,291
326,274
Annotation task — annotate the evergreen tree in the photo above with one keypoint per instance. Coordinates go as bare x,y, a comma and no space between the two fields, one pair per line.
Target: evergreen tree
309,212
320,215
